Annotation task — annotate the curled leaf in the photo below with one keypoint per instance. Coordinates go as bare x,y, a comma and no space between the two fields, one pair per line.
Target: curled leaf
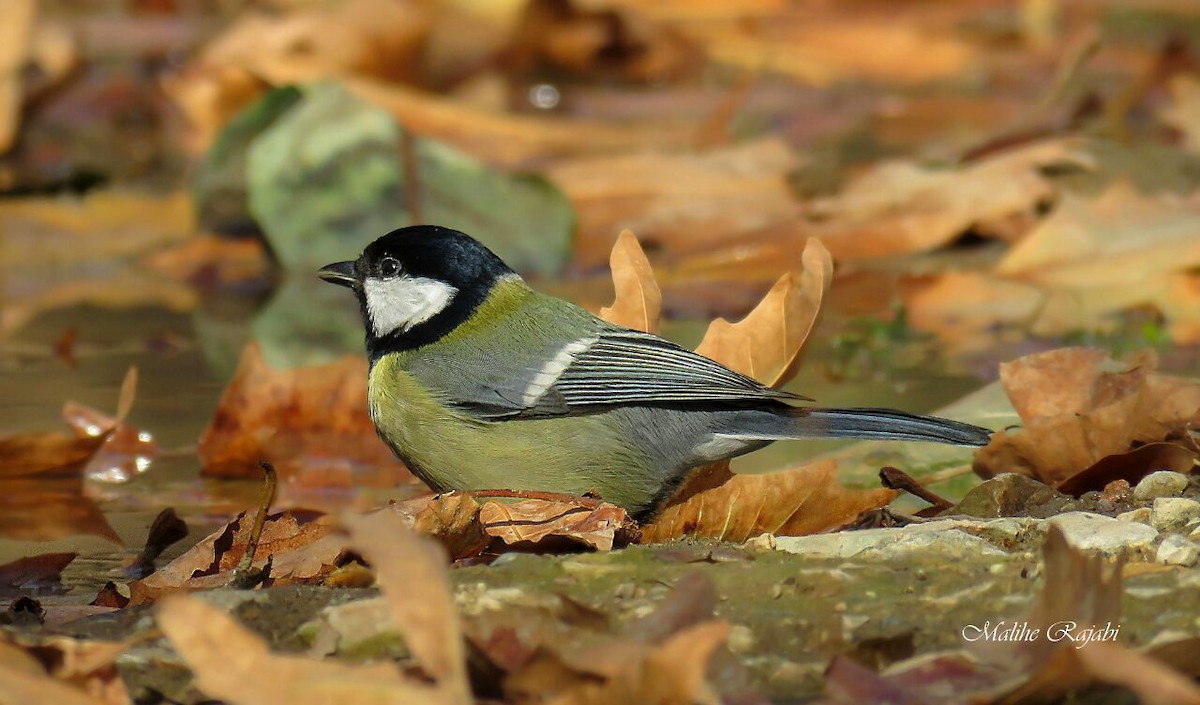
766,344
638,301
795,502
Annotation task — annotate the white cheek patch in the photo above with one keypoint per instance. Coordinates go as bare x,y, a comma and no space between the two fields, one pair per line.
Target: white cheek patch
396,305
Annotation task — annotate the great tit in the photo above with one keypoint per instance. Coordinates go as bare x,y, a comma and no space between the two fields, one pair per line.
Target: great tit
479,382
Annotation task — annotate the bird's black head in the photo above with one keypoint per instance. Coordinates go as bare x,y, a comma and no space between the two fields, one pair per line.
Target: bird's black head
417,284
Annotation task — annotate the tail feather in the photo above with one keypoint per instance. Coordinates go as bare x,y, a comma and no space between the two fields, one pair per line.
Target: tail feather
888,425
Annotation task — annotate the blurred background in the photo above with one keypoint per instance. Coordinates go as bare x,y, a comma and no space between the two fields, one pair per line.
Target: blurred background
992,177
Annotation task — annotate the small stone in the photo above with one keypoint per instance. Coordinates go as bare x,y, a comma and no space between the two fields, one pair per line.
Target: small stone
1096,532
1163,483
1195,535
889,543
1173,512
762,542
1009,494
1141,514
1177,550
741,639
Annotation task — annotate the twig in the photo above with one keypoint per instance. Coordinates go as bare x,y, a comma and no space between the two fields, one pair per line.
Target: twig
246,576
897,479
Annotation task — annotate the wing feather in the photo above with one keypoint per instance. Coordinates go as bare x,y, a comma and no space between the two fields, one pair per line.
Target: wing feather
628,367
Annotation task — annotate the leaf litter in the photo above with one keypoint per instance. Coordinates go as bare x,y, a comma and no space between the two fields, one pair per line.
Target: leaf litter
1108,425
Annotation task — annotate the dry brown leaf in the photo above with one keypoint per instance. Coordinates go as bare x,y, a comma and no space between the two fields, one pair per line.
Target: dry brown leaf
45,568
686,203
571,654
898,207
16,33
604,41
412,574
303,43
23,685
541,522
294,419
766,344
103,225
1078,407
35,453
638,301
209,259
962,306
86,665
1095,257
233,664
630,672
825,50
513,141
302,548
794,502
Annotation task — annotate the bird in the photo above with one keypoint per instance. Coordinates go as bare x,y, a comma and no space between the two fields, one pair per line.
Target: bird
479,382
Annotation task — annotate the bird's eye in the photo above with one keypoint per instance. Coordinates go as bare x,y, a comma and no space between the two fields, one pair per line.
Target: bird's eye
389,267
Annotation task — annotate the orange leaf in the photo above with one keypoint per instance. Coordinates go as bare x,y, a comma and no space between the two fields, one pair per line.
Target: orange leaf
536,520
795,502
33,453
638,301
1079,407
291,418
766,344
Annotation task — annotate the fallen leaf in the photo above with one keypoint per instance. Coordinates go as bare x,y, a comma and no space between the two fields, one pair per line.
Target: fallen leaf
294,419
36,453
233,664
1079,408
211,260
301,44
412,574
824,50
638,301
542,523
687,203
515,141
23,685
597,41
794,502
33,573
88,667
1096,257
766,344
898,206
664,657
1129,467
104,224
452,519
962,307
301,547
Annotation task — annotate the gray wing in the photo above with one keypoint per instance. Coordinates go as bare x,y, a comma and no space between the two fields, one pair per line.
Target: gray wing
616,366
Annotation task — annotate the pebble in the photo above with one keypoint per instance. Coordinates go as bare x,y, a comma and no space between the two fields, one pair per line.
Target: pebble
1095,532
1163,483
1141,514
1173,512
1177,550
